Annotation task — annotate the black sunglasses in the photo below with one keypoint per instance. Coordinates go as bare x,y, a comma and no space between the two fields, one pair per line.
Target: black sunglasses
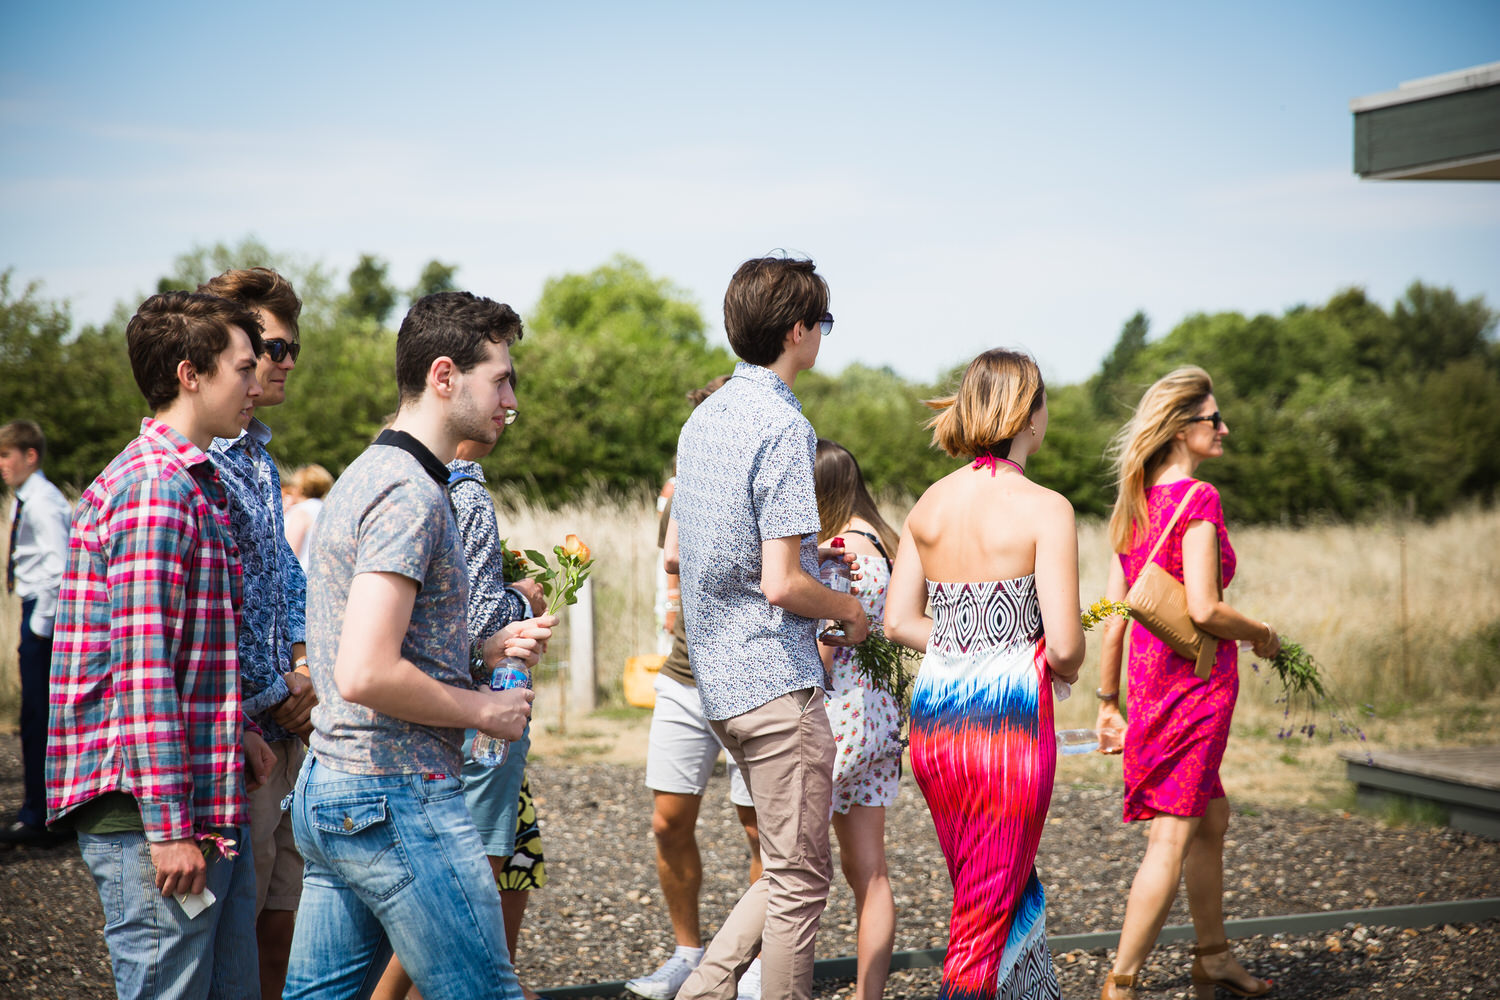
278,349
1213,418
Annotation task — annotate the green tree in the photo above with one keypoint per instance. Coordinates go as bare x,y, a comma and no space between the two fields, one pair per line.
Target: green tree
1107,388
436,277
371,296
604,368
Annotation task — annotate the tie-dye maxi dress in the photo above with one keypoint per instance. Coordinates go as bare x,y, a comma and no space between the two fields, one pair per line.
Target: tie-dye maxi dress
983,752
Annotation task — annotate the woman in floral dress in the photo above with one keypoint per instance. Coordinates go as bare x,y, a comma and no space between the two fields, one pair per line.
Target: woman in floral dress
867,758
1179,722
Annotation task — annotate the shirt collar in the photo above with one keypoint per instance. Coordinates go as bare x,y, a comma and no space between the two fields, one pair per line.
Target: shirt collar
171,440
32,487
416,449
257,431
765,377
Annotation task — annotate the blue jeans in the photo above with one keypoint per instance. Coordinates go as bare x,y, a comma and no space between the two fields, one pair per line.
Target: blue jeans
393,863
155,950
493,795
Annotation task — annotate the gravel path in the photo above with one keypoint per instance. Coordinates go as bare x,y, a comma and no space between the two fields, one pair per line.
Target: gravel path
601,917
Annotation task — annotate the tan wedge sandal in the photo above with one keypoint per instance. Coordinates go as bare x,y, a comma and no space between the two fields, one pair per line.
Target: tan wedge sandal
1118,987
1206,984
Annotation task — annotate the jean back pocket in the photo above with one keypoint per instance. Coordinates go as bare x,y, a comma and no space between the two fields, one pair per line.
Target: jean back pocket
359,839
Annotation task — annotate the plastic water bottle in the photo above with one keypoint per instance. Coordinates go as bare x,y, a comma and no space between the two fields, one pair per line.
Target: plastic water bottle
509,673
834,574
1071,741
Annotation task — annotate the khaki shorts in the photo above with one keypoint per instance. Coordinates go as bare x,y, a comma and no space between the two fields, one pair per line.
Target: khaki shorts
278,865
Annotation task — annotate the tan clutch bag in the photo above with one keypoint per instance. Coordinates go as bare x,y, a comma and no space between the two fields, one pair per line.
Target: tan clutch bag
1159,603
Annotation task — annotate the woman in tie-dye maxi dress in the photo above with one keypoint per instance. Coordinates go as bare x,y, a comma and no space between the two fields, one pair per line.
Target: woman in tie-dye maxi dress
982,745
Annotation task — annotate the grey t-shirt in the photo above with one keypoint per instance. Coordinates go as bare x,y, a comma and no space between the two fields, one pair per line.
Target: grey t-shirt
386,514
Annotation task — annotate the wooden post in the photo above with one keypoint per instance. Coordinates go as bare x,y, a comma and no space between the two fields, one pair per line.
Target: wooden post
581,672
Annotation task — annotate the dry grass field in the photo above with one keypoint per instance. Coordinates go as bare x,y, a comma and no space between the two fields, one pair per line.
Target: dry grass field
1340,590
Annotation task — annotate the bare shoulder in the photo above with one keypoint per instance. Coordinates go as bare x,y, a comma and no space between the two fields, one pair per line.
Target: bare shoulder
858,543
1049,504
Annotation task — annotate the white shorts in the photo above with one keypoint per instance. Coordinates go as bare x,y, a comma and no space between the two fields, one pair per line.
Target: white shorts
683,749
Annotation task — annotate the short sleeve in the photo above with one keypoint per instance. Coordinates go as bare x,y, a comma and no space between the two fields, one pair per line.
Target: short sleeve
1205,506
399,532
786,503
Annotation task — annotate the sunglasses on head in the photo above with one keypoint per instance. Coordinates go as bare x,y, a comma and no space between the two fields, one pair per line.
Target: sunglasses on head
1212,418
278,349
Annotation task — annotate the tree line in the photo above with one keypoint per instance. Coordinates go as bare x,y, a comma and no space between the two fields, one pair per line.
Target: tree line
1339,410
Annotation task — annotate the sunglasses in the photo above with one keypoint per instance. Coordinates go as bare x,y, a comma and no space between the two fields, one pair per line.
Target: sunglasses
1212,418
826,323
279,349
510,417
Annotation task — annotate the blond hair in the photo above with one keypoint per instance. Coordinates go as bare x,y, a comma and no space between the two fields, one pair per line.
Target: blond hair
999,393
1145,443
312,481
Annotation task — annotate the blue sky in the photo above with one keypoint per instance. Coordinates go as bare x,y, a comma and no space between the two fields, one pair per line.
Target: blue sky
966,175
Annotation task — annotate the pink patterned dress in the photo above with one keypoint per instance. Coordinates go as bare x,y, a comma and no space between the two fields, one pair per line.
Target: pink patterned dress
867,747
1179,723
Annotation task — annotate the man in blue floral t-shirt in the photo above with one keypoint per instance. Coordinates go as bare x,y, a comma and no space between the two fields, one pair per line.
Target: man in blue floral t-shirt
747,520
272,631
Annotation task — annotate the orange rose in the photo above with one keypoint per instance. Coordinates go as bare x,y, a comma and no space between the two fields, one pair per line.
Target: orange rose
574,547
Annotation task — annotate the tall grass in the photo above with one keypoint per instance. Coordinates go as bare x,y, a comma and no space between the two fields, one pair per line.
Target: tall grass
1336,589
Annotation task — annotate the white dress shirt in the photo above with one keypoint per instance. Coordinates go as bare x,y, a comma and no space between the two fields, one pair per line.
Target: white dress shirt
41,548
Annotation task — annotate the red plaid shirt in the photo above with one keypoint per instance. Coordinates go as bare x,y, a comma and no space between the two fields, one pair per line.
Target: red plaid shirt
145,695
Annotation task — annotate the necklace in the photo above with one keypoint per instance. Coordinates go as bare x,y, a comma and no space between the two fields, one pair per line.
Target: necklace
992,462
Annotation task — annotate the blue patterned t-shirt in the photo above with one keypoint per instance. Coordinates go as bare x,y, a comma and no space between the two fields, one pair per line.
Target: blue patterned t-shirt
388,514
273,614
744,476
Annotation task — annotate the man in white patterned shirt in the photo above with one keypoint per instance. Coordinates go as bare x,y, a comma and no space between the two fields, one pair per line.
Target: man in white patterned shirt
747,519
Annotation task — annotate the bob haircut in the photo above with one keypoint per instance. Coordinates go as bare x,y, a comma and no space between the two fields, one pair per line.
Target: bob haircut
1000,392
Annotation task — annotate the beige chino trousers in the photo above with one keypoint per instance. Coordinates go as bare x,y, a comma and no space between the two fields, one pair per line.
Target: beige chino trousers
785,750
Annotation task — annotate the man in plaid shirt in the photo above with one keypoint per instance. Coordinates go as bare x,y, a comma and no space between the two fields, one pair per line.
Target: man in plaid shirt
147,746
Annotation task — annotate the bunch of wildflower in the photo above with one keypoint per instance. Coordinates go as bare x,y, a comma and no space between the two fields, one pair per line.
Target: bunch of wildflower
513,564
1101,609
1305,693
884,664
560,585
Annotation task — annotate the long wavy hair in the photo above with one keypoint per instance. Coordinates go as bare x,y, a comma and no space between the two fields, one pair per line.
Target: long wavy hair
1145,443
842,495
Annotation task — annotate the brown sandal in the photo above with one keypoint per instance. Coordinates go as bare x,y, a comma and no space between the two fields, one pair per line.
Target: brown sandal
1118,987
1205,984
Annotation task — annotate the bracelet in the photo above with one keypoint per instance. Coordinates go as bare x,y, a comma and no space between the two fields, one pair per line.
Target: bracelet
1112,696
1269,631
299,662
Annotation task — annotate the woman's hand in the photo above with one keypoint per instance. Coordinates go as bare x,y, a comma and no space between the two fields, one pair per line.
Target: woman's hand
1267,648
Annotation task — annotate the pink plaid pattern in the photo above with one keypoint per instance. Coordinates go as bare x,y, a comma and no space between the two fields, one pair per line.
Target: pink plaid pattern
145,694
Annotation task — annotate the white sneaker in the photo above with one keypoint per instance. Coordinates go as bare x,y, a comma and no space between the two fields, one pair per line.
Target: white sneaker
664,983
750,983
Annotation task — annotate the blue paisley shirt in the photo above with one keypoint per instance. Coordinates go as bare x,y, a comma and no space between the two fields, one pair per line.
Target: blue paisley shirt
492,605
274,610
744,476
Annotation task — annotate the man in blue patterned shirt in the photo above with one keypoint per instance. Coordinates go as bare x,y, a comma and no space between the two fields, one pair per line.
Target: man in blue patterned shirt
274,679
747,519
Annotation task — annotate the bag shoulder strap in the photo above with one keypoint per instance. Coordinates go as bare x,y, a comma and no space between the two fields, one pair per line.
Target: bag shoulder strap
875,539
1168,529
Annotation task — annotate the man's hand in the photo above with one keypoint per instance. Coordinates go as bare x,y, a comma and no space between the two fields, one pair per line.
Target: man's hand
525,640
856,630
295,711
506,713
259,759
179,864
532,591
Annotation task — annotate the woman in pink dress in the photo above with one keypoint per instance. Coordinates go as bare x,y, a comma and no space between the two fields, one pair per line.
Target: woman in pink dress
1179,722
